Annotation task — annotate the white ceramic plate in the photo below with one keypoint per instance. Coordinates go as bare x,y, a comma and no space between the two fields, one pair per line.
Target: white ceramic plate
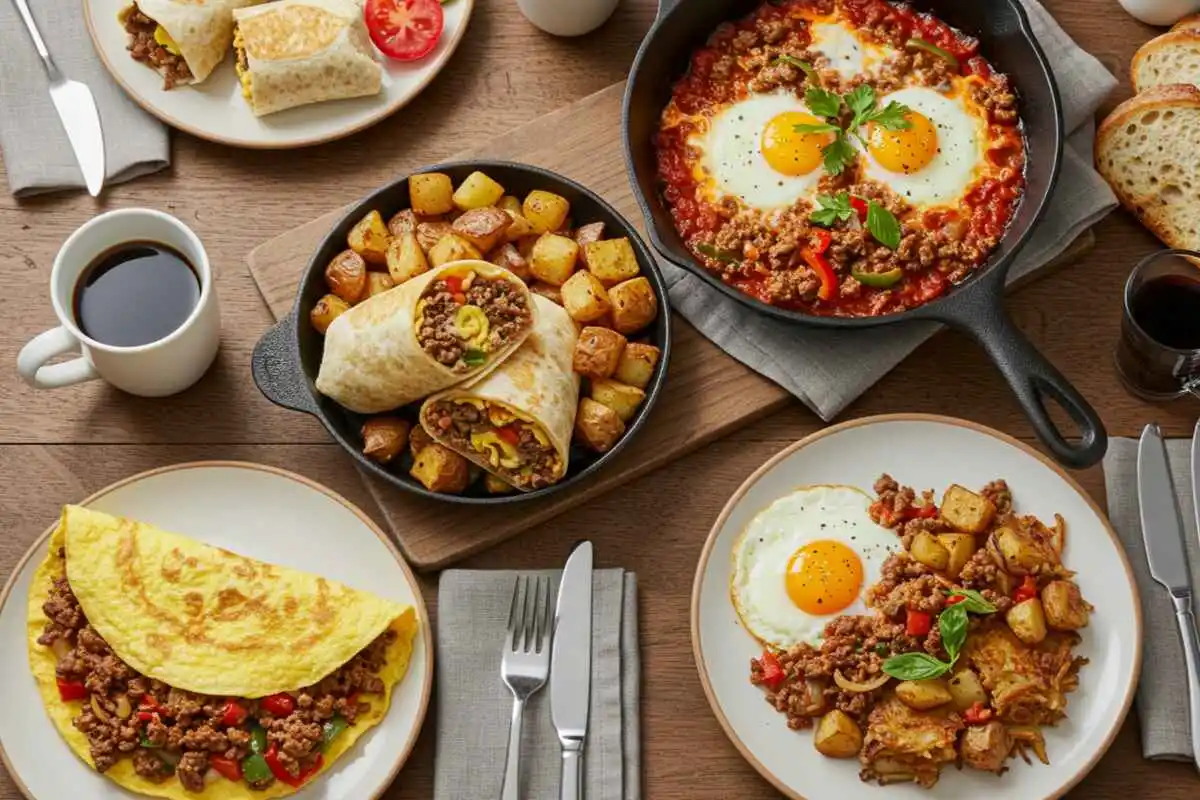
216,110
923,452
262,512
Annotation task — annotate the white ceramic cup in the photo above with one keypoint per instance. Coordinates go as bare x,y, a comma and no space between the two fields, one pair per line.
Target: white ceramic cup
567,17
160,368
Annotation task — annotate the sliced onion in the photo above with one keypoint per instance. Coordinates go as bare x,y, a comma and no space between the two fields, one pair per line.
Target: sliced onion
60,648
1031,735
123,707
861,688
1059,534
99,709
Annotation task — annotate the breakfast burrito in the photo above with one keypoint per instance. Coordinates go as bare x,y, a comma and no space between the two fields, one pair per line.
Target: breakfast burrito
182,670
450,324
516,421
295,52
183,40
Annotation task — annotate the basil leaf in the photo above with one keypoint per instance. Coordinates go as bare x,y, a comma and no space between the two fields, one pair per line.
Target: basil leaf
882,224
838,155
953,626
809,72
820,127
973,602
822,103
860,100
719,255
915,667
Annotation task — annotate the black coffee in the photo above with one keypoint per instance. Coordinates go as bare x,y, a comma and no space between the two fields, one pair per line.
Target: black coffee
135,293
1168,310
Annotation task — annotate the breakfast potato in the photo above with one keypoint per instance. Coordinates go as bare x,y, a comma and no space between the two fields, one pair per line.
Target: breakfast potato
924,695
585,235
634,305
379,282
553,258
494,485
346,276
405,258
584,297
430,233
1027,620
510,204
477,191
431,193
452,248
384,438
547,290
967,511
482,227
837,735
966,689
418,440
326,310
1064,606
597,426
619,397
507,256
369,238
986,747
637,364
960,546
1022,553
545,211
926,549
611,260
519,229
402,222
597,352
440,469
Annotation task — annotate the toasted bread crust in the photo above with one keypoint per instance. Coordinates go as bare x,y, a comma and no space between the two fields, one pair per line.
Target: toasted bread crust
1177,36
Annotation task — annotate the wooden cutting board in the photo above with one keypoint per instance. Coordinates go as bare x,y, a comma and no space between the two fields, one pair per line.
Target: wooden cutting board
707,394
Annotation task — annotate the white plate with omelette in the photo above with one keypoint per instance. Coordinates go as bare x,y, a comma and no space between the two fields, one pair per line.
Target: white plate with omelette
809,504
255,511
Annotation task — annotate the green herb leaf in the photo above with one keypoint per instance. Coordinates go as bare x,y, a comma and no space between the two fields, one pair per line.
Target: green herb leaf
475,358
893,116
821,102
838,155
831,208
144,741
953,626
917,43
860,100
820,127
883,225
915,667
719,255
809,72
973,602
881,649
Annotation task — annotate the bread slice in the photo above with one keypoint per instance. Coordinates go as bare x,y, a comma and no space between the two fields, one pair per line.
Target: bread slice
1173,57
1191,22
1148,149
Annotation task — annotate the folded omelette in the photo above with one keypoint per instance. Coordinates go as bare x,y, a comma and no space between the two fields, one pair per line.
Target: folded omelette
182,670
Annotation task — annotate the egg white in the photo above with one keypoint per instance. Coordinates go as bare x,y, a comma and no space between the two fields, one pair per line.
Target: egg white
762,553
848,55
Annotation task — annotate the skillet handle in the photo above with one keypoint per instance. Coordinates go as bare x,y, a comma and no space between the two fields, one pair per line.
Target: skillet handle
276,368
664,6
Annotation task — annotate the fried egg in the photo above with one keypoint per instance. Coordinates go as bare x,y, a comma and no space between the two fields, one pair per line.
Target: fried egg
752,151
935,159
805,559
848,55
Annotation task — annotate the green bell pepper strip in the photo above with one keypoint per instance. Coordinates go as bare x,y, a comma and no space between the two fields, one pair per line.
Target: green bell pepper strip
332,729
258,739
255,769
878,280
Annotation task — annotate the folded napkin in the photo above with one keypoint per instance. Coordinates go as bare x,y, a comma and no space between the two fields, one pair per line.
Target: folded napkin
826,369
1163,715
37,156
474,706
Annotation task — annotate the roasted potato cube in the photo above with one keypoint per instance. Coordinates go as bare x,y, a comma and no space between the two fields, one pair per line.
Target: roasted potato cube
634,305
584,297
585,235
507,256
547,290
929,551
440,469
430,233
967,511
1027,620
510,204
378,283
924,695
611,260
431,193
402,222
545,211
1022,554
619,397
966,689
985,747
482,227
384,438
553,258
369,238
597,351
326,310
837,735
405,258
960,546
597,426
418,440
494,485
452,248
637,364
519,229
346,276
477,191
1064,606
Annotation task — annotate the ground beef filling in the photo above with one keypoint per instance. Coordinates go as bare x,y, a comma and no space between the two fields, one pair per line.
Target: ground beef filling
186,729
144,48
458,421
503,302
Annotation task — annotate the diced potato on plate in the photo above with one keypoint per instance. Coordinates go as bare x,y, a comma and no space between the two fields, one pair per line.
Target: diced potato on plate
510,204
926,549
384,438
966,689
452,248
402,222
482,227
553,258
369,238
546,211
1027,620
585,235
477,191
547,290
326,310
611,260
618,396
379,282
960,546
430,233
598,351
584,297
637,363
924,695
440,469
967,511
405,258
431,193
597,426
346,276
507,256
837,735
634,305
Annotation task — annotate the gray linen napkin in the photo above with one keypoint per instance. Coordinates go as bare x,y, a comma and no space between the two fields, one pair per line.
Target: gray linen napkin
474,706
37,156
828,370
1164,719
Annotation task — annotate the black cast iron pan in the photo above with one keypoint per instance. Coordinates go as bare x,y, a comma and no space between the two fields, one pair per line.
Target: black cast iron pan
288,356
977,305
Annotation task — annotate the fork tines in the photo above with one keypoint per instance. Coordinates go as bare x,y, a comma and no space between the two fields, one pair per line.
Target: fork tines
529,616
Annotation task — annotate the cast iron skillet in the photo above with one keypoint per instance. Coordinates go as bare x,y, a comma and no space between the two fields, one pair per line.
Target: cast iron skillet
977,305
288,356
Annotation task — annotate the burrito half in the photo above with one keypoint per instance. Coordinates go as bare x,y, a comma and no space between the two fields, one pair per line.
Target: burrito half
516,421
183,40
160,658
452,323
295,52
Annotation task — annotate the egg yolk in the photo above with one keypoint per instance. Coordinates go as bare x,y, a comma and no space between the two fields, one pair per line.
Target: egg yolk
905,150
791,153
824,577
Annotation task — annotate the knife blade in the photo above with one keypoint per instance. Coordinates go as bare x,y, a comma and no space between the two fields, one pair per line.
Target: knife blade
571,666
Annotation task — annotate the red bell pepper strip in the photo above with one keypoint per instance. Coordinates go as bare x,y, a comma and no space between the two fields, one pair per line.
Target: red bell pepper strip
1026,591
281,705
454,284
772,670
918,623
860,207
280,771
923,512
149,703
227,767
71,690
460,298
509,434
977,714
234,714
824,271
145,716
955,600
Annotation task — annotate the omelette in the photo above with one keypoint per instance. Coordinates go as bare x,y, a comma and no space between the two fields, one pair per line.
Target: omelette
182,670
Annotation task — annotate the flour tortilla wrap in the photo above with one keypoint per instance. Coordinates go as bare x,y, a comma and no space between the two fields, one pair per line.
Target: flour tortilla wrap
536,384
295,52
373,360
202,29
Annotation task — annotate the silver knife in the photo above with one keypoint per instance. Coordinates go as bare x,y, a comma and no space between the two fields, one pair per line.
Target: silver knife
571,666
1162,532
76,108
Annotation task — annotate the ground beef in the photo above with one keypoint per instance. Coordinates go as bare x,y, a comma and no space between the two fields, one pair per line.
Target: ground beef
144,48
1001,496
63,611
190,770
505,306
148,765
460,420
297,740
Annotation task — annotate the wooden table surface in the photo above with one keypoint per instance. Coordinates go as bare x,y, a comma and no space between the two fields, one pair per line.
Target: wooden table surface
57,446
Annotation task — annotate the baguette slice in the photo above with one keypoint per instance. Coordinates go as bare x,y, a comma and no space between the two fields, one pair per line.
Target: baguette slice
1148,149
1173,57
1190,22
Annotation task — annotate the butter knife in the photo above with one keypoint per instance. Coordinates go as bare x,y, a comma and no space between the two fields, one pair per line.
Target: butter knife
571,667
76,108
1162,533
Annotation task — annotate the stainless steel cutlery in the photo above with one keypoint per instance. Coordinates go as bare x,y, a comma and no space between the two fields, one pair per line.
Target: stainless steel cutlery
525,664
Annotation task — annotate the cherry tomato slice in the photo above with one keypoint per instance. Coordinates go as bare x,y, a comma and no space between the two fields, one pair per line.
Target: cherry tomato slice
404,30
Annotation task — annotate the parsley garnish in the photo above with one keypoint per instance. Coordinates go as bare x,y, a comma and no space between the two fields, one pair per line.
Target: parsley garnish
831,209
809,72
862,102
882,223
822,102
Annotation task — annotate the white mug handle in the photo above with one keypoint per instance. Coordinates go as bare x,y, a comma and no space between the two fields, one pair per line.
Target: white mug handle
31,361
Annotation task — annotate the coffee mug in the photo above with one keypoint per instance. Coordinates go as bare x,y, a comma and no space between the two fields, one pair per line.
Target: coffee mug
162,367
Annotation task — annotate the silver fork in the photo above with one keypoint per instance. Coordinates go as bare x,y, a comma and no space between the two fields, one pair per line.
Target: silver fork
526,662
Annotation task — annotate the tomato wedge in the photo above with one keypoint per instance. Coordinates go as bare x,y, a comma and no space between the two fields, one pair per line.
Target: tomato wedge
404,30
